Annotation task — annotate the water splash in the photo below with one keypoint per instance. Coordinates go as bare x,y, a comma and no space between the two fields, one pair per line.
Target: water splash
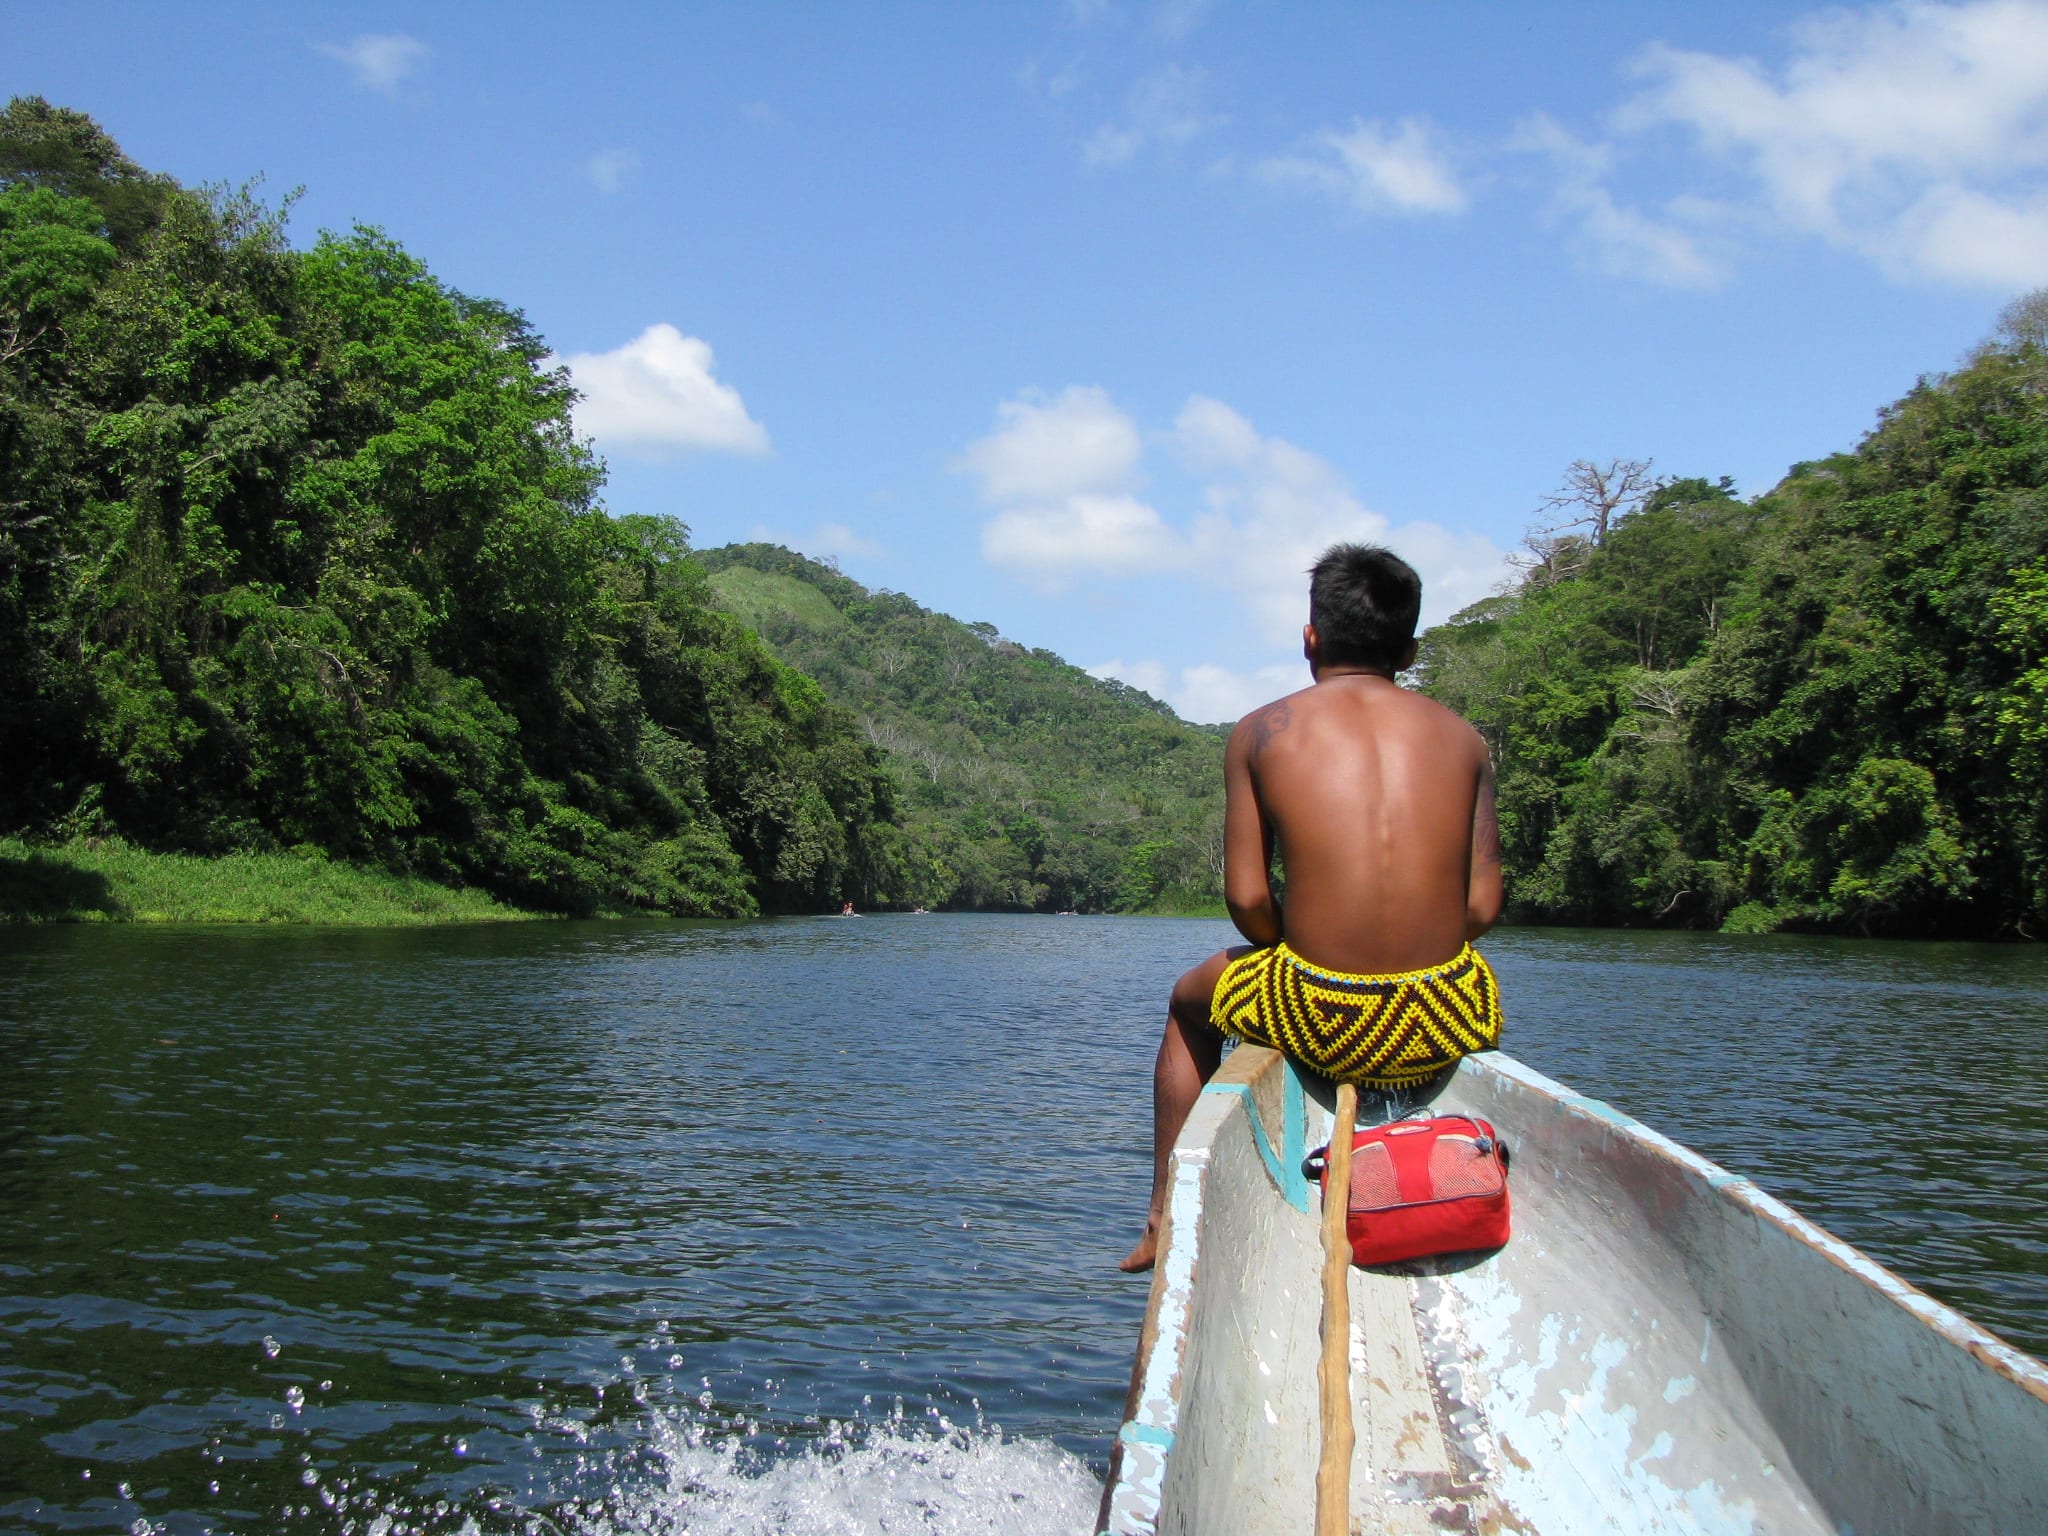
703,1474
859,1480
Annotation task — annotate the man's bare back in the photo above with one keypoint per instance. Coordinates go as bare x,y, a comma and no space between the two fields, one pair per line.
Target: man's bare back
1379,803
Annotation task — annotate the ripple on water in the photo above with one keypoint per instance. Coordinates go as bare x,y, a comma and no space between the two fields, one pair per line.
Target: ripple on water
603,1228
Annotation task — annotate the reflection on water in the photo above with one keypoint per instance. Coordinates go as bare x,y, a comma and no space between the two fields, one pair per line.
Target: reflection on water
803,1226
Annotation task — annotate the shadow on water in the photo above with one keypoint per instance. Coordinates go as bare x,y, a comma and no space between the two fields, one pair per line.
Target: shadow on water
42,889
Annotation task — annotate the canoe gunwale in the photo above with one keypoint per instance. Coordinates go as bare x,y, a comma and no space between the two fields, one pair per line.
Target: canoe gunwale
1260,1085
1994,1353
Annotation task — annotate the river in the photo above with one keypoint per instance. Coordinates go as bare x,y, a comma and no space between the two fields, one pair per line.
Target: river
801,1226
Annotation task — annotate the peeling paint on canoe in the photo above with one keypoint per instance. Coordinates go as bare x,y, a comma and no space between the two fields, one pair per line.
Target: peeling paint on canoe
1267,1155
1662,1347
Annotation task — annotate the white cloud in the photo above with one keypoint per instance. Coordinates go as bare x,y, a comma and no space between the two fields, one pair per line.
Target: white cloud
1970,237
1375,168
1611,238
1082,534
1914,134
1039,78
379,60
1165,108
658,394
827,542
609,168
1175,19
1061,473
1207,693
1045,448
1273,507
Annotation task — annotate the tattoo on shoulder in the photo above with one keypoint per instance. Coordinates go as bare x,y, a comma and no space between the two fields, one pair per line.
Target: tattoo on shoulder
1270,722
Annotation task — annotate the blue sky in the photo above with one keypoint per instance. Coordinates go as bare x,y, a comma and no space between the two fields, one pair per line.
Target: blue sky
1096,320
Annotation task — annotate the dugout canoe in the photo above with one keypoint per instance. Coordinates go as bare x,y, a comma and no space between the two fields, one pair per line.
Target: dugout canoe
1661,1347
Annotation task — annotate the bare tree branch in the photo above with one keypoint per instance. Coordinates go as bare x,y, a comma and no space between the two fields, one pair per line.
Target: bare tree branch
13,343
1596,496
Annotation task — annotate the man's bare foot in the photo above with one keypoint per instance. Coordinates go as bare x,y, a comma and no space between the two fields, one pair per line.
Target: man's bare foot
1140,1258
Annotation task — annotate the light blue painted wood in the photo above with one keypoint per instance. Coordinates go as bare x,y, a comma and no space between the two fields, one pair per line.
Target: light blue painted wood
1662,1347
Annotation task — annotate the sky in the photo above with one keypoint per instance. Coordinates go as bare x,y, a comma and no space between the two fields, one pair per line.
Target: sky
1097,321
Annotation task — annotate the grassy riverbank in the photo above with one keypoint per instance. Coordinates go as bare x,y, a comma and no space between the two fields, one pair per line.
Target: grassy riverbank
92,880
1185,904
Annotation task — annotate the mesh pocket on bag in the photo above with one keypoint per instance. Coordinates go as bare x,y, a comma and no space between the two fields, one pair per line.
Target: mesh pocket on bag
1457,1167
1372,1178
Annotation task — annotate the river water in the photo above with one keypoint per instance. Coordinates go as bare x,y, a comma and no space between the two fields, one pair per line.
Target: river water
803,1226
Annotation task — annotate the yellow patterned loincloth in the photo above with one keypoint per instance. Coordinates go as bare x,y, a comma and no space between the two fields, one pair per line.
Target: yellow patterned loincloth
1380,1031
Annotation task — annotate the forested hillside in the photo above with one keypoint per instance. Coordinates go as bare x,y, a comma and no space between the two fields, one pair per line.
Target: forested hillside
1021,781
1824,709
298,550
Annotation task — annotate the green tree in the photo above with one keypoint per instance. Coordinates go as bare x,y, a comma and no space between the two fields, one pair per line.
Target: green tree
301,550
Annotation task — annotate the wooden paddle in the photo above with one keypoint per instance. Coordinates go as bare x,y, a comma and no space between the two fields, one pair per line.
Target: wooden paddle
1333,1374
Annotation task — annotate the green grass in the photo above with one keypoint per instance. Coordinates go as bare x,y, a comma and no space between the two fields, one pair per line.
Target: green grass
757,596
93,880
1185,904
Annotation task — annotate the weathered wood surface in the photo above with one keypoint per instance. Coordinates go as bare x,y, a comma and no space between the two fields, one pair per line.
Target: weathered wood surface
1662,1347
1337,1437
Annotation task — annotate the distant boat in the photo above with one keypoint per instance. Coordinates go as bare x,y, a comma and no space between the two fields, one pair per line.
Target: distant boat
1661,1347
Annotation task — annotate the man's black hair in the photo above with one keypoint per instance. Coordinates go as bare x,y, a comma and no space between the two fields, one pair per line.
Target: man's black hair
1363,601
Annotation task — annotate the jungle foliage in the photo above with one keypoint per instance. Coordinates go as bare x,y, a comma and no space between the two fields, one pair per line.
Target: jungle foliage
1825,709
298,551
1022,782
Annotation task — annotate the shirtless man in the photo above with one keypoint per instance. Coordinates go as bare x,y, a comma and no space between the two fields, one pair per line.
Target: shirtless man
1380,803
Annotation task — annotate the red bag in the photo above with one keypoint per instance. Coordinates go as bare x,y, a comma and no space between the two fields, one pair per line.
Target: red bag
1436,1184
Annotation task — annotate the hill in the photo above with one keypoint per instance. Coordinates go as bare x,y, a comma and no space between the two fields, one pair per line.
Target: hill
1020,781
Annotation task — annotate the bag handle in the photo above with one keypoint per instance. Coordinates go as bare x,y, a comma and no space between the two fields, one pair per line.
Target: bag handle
1483,1146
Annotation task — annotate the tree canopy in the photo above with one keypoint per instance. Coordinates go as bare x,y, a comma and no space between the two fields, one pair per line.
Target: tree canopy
299,550
1824,709
1022,782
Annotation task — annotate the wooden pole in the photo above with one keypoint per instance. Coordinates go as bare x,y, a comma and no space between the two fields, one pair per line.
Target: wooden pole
1333,1375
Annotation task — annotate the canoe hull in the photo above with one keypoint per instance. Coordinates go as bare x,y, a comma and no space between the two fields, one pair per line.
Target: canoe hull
1661,1347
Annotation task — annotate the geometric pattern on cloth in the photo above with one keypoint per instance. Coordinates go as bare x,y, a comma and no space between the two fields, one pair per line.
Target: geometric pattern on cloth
1378,1031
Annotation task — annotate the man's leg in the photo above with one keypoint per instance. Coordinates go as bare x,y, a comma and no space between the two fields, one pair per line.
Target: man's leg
1188,1057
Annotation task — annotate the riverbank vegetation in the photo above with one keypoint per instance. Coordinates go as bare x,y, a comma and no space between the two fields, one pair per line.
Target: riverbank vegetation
107,880
1021,782
298,550
1824,709
300,556
303,567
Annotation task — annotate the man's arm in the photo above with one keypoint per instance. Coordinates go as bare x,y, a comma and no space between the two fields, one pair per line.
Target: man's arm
1247,839
1483,896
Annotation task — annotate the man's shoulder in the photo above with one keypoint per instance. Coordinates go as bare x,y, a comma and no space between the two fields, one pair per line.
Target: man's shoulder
1304,708
1442,724
1449,718
1261,725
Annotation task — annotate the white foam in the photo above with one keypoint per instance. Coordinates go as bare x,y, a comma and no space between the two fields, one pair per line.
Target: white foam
893,1477
698,1475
